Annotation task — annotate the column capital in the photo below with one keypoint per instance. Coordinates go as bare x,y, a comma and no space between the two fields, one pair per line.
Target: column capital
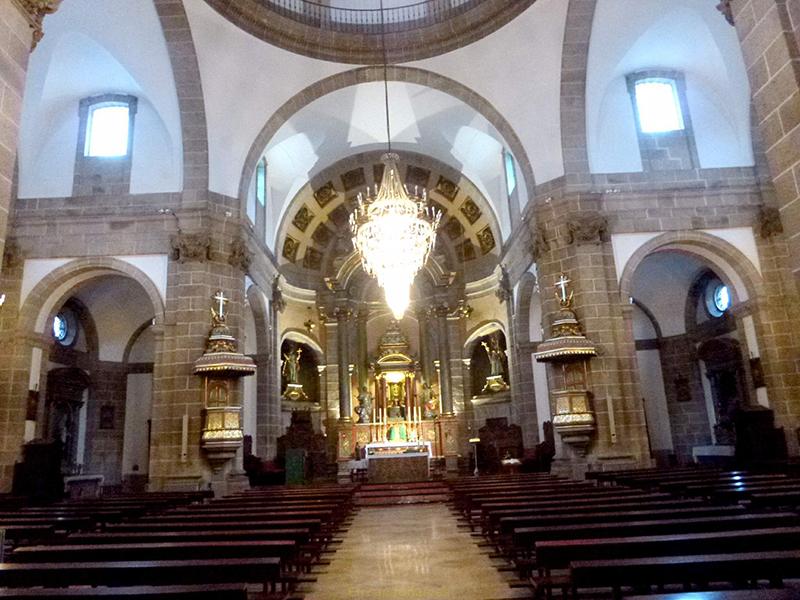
343,313
35,11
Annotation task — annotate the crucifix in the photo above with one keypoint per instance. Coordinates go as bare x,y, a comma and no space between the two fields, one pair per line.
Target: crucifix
220,297
562,283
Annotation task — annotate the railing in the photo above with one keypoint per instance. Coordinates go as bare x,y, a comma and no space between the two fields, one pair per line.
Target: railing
368,20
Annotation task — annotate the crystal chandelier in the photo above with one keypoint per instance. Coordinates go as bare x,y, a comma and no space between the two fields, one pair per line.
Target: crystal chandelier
393,233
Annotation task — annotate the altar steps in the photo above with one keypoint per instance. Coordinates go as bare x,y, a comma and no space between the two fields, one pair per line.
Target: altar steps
415,492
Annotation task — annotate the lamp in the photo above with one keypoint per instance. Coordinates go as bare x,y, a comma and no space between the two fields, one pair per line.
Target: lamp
393,233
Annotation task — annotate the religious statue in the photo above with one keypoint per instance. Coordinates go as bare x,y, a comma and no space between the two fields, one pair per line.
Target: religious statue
364,408
496,354
291,370
428,401
494,382
291,365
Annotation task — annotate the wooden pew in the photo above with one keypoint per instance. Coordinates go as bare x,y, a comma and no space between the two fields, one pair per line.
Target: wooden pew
215,591
616,573
264,571
558,554
504,522
161,551
526,537
504,537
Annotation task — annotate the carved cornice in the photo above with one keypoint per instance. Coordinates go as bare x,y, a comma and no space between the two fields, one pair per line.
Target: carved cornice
35,11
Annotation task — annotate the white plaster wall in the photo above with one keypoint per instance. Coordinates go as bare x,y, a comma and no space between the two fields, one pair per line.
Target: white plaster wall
651,380
661,283
518,70
540,387
245,81
119,306
656,35
139,395
82,55
249,413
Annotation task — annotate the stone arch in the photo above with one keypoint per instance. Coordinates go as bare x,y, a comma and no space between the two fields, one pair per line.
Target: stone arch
53,290
189,86
135,338
574,65
730,263
480,330
267,402
298,336
525,289
376,73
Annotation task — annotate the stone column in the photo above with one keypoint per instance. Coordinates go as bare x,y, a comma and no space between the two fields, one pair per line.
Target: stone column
769,32
17,21
343,316
362,363
424,346
445,392
621,439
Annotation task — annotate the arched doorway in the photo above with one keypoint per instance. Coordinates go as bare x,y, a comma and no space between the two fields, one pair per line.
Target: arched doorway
99,327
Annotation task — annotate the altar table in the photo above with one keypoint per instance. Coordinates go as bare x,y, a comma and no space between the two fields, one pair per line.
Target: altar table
397,462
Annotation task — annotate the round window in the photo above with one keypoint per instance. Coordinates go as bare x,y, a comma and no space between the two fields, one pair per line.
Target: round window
718,299
64,327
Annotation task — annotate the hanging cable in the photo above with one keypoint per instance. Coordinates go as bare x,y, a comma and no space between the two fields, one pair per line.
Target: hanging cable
385,80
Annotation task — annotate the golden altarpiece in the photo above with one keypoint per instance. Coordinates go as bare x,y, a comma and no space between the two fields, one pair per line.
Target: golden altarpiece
398,413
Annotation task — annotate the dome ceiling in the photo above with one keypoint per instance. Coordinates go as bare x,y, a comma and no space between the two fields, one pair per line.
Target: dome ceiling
348,31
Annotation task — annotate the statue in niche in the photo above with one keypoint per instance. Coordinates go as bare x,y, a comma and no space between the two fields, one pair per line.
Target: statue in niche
494,381
364,408
291,365
495,354
429,402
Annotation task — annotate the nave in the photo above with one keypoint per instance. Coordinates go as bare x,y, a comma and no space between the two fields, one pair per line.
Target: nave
412,551
697,533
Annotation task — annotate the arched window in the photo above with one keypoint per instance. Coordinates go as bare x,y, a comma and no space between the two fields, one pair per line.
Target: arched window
104,156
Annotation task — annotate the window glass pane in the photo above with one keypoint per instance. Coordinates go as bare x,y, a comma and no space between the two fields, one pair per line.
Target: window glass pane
60,328
261,182
658,106
107,131
511,172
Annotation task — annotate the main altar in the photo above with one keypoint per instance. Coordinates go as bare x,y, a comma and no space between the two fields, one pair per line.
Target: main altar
397,428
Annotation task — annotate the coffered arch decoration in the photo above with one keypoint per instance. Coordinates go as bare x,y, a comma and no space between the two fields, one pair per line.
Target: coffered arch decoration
314,238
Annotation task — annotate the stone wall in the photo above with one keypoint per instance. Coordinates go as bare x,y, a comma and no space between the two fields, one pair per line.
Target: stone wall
15,44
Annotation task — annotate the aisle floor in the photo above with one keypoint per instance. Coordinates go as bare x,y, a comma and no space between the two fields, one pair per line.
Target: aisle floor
414,551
